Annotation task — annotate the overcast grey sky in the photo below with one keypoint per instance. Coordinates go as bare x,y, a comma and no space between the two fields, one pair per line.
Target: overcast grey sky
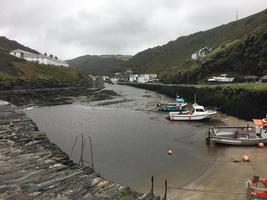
70,28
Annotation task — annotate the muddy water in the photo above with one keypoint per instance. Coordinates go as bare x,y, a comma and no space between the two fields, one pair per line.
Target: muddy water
130,139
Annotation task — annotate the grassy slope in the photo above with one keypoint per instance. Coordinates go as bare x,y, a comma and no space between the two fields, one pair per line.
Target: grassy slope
238,58
100,65
256,87
13,69
174,53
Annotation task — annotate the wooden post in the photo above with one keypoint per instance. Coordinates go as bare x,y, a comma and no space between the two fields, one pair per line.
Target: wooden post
165,193
152,185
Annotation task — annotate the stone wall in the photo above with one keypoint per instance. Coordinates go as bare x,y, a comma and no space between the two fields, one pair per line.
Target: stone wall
33,168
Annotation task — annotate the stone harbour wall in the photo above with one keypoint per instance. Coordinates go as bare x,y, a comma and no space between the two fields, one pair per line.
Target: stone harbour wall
33,168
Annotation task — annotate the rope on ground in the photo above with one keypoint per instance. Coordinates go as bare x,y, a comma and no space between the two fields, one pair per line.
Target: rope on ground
203,191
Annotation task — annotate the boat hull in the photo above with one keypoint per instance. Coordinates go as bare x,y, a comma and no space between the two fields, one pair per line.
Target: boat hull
238,142
188,117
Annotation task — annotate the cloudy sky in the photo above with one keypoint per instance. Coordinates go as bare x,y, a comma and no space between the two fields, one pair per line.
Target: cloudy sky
70,28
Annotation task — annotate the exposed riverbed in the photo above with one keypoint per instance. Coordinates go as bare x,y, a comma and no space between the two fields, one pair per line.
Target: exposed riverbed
131,139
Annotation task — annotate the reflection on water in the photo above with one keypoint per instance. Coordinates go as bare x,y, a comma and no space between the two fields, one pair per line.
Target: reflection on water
130,146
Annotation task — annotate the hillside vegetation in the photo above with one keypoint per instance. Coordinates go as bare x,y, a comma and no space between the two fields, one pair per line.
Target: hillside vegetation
243,57
239,48
100,65
15,71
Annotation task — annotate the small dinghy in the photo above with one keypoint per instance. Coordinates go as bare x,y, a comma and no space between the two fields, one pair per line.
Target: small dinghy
240,135
196,113
256,188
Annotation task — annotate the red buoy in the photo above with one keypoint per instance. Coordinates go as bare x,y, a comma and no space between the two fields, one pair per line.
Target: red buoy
245,158
261,144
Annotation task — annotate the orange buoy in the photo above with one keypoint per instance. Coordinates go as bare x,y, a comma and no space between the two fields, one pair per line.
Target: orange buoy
170,152
261,144
245,158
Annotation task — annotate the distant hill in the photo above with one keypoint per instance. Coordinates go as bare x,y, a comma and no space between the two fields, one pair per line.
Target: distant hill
100,65
172,60
8,45
15,71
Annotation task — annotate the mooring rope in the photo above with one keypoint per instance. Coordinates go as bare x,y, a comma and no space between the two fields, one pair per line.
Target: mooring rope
203,191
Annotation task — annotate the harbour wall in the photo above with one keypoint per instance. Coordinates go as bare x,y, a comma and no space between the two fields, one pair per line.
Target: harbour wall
33,168
238,102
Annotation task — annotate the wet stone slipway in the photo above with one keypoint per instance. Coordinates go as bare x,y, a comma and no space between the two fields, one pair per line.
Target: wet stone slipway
33,168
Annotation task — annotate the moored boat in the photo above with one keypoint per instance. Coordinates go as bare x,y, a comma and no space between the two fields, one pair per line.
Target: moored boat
256,188
221,79
240,135
196,113
179,105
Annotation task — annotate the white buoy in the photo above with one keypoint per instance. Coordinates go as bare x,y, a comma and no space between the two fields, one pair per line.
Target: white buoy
245,158
261,144
170,152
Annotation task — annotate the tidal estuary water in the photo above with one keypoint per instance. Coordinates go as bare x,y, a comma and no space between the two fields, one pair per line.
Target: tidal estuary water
130,139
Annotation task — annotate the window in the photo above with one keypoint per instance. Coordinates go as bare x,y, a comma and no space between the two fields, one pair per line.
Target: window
199,110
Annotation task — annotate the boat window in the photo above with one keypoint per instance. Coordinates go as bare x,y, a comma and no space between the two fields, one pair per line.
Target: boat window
199,110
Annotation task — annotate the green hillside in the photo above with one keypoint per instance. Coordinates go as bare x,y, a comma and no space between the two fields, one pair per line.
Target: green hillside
242,39
245,56
100,65
15,71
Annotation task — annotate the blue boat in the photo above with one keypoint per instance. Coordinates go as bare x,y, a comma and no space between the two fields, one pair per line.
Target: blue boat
179,105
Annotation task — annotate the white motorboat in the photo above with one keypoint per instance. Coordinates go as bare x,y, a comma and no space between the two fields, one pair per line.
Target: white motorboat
196,113
221,79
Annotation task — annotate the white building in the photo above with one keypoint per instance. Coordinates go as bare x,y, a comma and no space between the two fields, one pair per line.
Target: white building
201,53
153,77
38,58
143,78
133,78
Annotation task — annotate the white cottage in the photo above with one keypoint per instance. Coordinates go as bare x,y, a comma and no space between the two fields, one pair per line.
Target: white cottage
143,78
133,77
38,58
201,53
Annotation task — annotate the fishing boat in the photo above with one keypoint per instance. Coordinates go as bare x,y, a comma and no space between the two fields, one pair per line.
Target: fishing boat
240,135
197,112
221,79
256,188
179,105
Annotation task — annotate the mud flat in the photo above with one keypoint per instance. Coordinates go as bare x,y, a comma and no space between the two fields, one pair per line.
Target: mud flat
226,179
33,168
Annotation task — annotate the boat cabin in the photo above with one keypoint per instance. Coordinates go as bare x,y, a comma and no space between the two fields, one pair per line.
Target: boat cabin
180,99
261,126
198,109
